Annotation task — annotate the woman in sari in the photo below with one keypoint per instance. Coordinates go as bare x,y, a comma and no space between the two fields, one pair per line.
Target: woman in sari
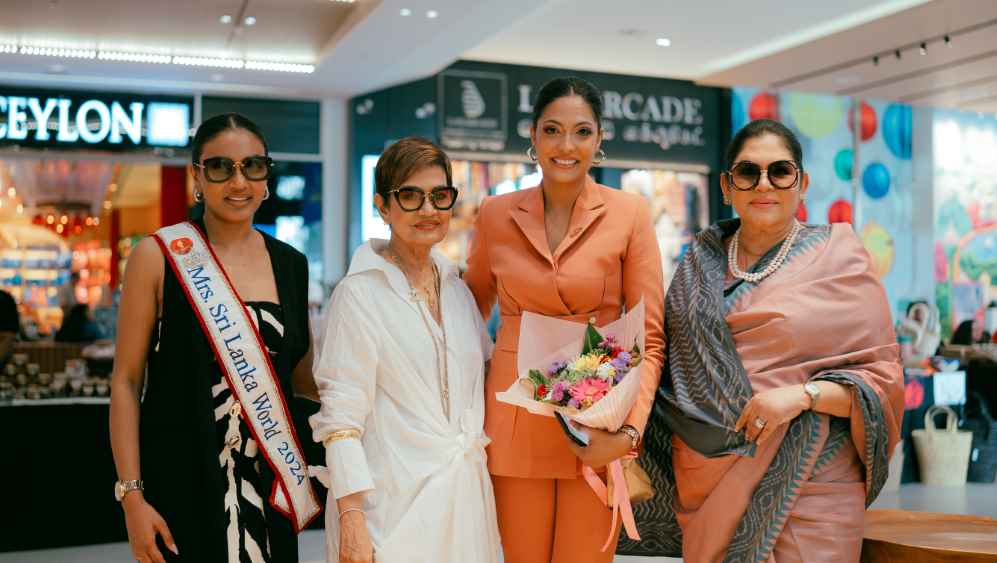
782,396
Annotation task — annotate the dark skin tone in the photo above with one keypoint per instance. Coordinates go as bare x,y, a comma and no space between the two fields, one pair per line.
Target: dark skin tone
567,138
229,209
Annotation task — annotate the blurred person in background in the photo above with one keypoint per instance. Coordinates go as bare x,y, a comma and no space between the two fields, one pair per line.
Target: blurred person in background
10,325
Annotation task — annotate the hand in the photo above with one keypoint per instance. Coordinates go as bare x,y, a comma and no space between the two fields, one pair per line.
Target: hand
604,447
774,408
143,523
354,539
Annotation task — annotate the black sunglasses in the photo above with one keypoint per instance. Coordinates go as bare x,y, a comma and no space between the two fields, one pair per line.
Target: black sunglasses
745,175
220,169
411,198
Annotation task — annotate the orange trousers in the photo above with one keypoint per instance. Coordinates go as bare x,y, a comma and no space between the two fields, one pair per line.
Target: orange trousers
552,521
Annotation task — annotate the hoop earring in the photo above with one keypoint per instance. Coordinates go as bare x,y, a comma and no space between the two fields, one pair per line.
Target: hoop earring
531,153
602,156
266,193
199,196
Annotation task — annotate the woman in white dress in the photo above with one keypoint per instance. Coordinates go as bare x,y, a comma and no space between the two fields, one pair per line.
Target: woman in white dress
401,380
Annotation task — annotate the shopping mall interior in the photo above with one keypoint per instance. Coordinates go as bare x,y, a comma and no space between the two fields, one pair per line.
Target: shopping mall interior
894,103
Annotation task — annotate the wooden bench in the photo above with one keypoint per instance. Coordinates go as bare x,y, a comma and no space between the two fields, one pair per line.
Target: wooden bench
920,537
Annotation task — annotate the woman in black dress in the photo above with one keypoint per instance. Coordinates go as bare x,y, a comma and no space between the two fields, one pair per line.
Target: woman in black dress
189,469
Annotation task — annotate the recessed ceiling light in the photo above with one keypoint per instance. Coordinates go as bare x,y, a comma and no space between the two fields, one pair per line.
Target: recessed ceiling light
250,20
663,42
432,14
405,12
225,19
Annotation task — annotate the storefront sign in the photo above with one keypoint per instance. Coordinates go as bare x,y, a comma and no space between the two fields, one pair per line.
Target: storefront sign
100,120
474,112
650,119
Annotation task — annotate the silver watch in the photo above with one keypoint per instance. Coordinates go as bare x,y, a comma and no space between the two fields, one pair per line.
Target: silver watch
122,488
813,390
633,433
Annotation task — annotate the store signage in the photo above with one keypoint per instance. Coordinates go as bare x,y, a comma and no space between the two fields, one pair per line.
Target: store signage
475,115
651,119
101,120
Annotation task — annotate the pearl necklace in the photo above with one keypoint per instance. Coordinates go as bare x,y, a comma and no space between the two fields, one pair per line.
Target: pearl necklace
774,265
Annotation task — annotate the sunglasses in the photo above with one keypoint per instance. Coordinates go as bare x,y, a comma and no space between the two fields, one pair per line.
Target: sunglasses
220,169
411,198
745,175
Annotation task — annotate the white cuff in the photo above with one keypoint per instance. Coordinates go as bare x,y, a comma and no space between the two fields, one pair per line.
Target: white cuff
348,470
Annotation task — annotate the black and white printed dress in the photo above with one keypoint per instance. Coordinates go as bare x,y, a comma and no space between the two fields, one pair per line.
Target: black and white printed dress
245,496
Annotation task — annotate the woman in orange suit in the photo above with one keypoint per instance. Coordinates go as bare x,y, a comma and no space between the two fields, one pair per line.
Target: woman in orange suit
573,249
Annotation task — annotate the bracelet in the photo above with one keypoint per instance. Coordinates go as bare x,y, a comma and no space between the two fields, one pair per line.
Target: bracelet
342,435
349,510
633,433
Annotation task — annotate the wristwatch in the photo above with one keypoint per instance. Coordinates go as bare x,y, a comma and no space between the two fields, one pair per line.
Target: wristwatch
813,390
633,433
122,488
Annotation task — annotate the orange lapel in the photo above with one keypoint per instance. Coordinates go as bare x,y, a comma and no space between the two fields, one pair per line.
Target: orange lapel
589,207
529,217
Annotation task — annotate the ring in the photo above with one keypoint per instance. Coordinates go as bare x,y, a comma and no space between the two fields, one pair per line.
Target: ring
759,423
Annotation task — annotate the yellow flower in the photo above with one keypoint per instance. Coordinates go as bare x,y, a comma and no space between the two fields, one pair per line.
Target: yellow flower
588,363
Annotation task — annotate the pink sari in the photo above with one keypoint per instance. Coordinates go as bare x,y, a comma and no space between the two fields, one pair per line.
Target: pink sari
822,316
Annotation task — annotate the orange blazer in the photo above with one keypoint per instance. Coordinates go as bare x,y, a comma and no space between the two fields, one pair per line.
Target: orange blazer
607,262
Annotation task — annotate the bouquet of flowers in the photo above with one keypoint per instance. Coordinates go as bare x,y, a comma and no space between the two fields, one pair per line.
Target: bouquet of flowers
589,378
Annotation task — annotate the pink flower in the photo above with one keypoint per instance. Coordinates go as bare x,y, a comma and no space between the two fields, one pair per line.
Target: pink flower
588,391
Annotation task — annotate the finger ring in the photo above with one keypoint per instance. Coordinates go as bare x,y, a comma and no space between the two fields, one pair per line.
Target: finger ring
759,423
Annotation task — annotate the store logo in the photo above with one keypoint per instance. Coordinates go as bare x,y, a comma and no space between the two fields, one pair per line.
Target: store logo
181,246
59,121
471,100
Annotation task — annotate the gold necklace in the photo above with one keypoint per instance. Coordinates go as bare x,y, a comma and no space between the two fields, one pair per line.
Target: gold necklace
433,303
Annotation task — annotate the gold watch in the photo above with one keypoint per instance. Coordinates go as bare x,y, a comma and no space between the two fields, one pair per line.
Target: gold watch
122,488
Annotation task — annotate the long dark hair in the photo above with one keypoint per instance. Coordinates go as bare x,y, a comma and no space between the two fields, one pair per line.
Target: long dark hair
569,86
214,126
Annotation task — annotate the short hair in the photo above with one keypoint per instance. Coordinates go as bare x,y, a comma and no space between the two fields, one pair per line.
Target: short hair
566,86
760,127
404,158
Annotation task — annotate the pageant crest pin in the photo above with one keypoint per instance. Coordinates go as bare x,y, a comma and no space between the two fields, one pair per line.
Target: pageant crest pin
181,246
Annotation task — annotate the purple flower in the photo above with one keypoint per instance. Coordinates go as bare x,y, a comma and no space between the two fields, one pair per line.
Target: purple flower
618,377
557,366
625,356
620,364
574,403
557,392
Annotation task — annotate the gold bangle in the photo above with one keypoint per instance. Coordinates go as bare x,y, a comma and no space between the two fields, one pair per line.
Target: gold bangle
349,433
360,510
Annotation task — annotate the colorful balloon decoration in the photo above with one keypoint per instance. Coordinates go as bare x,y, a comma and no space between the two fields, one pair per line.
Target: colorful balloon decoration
879,243
867,116
764,106
843,164
898,125
876,180
816,116
840,212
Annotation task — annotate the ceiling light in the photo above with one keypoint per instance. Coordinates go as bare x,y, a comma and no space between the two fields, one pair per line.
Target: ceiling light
58,52
225,19
250,20
405,12
924,48
208,62
432,14
5,49
134,57
663,42
281,67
